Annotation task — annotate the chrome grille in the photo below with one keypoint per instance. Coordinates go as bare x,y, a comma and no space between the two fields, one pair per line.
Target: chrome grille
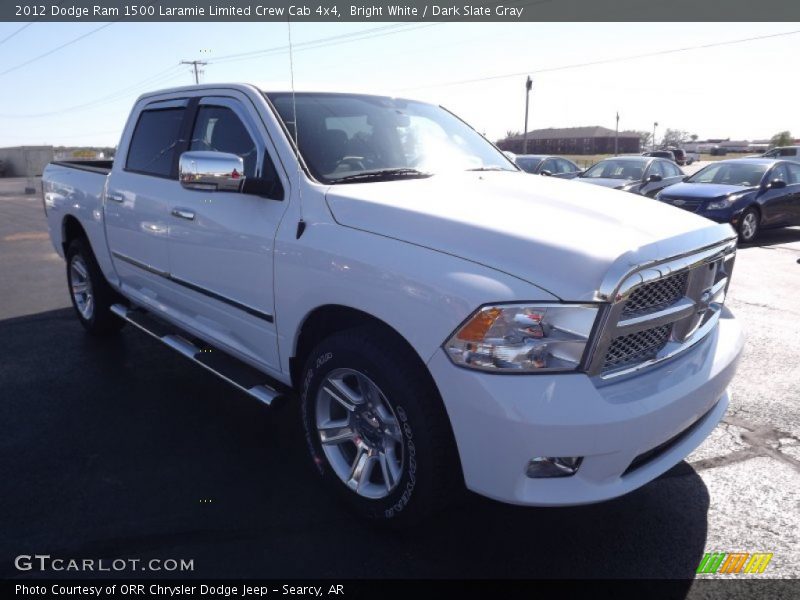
636,347
656,295
661,309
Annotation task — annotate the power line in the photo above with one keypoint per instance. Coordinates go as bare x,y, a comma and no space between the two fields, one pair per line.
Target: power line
605,61
19,30
160,77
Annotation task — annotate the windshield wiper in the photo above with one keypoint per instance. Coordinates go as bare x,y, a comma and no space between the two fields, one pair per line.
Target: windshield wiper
382,175
489,169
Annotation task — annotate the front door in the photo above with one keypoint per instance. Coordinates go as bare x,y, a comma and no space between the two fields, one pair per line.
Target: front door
221,243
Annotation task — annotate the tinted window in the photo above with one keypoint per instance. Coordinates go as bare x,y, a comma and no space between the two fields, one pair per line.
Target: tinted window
616,169
218,128
528,164
731,173
779,172
794,173
566,166
550,165
671,170
656,169
788,152
152,148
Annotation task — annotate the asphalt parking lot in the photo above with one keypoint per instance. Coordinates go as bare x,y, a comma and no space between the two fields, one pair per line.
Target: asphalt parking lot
122,448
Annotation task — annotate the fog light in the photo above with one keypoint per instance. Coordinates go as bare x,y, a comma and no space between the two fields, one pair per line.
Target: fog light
553,466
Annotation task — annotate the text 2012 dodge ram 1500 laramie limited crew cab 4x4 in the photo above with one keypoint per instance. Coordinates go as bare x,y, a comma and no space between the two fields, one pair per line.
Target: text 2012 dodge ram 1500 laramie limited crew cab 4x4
441,320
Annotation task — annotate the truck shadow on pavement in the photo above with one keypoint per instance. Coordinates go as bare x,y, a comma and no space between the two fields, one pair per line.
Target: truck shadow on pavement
122,449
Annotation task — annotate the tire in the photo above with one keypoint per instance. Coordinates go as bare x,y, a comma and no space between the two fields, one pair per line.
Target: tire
749,226
91,295
396,436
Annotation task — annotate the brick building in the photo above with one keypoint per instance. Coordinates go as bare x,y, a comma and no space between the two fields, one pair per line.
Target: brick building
574,140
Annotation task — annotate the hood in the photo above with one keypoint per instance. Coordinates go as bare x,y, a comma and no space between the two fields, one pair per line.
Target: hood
553,233
702,191
606,181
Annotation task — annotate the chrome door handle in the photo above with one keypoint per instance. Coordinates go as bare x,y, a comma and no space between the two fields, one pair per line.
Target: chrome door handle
182,213
115,197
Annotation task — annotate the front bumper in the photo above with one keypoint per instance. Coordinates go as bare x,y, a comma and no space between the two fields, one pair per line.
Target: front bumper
500,422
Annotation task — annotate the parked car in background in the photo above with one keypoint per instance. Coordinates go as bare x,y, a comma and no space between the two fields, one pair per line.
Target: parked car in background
541,164
692,156
643,175
749,193
784,153
667,154
680,156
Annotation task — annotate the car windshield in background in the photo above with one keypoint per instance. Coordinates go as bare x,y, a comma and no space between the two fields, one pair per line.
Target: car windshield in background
528,164
355,138
743,174
616,169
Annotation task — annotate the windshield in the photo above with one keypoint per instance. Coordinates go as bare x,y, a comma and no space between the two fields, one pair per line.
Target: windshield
616,169
730,173
528,164
348,137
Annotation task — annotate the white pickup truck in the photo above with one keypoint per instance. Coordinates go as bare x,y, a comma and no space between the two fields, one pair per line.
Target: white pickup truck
442,319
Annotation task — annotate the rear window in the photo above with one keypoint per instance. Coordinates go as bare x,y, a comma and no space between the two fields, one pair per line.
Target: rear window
152,148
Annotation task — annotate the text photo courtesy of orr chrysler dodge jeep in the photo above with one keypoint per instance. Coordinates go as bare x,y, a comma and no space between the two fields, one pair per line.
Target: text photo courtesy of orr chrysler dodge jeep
442,319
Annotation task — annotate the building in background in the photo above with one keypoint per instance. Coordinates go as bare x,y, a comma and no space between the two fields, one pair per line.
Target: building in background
24,161
573,140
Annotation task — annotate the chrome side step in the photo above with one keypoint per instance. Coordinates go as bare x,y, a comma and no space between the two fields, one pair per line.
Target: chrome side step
240,375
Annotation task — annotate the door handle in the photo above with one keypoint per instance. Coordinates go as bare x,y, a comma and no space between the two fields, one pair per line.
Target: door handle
114,197
182,213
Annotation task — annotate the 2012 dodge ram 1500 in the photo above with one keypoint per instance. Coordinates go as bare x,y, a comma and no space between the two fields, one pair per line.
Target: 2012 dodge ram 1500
442,319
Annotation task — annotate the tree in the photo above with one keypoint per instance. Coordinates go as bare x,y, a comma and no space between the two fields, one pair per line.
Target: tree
674,137
645,138
784,138
694,137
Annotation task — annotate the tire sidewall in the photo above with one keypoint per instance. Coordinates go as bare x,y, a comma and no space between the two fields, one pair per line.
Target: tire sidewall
749,240
77,248
330,355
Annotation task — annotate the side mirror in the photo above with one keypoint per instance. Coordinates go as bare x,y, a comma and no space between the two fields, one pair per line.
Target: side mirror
777,184
545,172
655,177
211,171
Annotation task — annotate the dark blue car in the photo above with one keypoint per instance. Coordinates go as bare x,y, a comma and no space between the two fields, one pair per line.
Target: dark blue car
749,193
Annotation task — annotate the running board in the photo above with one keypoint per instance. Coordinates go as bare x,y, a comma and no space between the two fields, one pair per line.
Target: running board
239,374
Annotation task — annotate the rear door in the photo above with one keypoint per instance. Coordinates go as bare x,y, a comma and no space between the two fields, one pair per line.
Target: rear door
221,243
137,198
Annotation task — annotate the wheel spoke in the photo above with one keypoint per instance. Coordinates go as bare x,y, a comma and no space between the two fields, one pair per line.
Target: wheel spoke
366,388
342,394
79,287
336,432
361,469
79,268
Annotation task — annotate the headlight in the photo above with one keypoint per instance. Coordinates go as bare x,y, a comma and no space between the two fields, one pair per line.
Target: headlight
725,202
524,338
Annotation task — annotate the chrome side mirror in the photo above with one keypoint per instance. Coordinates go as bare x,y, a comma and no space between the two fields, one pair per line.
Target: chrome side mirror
211,171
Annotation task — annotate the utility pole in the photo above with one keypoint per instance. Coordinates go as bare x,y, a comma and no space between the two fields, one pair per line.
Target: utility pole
616,137
195,64
655,124
528,86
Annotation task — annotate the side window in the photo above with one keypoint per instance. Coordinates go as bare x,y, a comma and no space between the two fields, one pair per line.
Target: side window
218,128
794,173
779,172
656,169
152,147
567,166
550,165
671,170
787,152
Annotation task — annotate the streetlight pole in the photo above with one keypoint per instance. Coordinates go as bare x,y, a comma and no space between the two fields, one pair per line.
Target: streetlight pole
528,86
616,137
655,124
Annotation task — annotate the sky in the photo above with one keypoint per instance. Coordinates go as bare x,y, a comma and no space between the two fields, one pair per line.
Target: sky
81,94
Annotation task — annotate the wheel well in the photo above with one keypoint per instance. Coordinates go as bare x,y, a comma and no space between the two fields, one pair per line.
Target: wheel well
327,320
71,229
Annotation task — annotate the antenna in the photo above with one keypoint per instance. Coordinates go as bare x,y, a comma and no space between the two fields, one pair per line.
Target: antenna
301,224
